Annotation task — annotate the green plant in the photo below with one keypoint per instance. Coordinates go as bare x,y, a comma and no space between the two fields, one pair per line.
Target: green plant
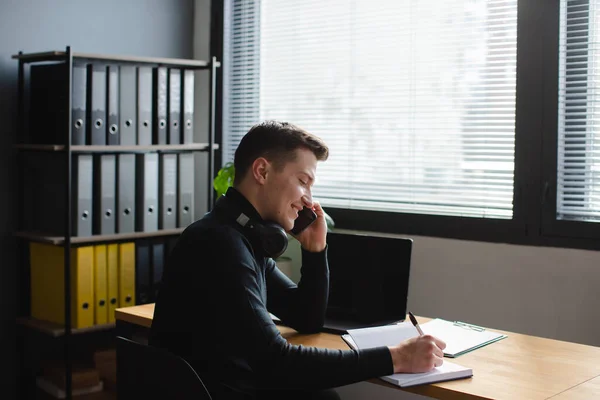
224,180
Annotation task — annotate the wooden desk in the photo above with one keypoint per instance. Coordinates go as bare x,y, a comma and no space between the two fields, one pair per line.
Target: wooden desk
585,391
518,367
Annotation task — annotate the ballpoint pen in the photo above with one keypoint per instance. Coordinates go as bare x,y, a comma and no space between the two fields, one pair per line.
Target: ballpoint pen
415,323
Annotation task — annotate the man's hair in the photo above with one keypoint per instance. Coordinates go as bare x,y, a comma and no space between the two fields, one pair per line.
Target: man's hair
277,142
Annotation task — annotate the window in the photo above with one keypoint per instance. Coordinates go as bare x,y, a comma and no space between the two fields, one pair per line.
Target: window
578,172
440,122
416,99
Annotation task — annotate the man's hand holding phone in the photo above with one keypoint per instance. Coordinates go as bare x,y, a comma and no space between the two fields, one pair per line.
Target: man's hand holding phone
310,228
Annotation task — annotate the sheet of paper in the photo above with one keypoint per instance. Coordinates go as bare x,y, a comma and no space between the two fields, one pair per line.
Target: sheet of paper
387,335
459,338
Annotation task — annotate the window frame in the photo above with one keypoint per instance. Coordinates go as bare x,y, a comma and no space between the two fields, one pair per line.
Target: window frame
536,142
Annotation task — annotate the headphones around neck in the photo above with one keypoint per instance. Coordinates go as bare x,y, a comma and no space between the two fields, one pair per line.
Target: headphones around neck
272,237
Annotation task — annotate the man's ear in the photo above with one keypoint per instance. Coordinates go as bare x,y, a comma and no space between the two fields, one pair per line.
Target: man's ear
260,169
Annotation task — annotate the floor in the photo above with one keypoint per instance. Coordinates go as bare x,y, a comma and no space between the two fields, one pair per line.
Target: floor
370,391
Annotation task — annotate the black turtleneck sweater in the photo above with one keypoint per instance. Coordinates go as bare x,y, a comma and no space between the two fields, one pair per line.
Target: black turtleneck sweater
213,310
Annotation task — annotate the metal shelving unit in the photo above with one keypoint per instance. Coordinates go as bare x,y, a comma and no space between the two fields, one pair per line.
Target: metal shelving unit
67,241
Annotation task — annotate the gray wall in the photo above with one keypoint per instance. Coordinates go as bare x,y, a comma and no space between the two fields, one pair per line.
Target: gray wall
201,45
548,292
133,27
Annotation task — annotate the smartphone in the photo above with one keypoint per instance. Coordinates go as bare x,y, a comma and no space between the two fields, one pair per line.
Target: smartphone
305,217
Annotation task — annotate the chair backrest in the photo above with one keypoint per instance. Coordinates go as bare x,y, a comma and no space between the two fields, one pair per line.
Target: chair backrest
147,372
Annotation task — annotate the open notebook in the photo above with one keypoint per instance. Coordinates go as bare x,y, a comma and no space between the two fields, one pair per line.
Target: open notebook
390,335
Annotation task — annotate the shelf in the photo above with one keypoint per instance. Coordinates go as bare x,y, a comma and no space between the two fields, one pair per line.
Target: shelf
158,61
159,148
40,147
43,56
60,240
56,330
103,395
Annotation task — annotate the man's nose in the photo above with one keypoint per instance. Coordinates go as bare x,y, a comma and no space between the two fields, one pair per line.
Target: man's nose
307,201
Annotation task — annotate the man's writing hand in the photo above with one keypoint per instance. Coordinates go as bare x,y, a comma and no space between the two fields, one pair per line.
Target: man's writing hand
418,354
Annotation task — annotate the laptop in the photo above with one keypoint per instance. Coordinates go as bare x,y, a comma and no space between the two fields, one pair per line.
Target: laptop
368,280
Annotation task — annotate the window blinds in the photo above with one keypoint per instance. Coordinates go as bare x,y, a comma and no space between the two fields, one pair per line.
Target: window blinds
415,98
578,175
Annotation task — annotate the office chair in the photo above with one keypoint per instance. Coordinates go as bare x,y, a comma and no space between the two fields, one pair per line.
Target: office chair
147,372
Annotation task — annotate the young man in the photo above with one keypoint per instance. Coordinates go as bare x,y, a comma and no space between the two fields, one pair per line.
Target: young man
221,282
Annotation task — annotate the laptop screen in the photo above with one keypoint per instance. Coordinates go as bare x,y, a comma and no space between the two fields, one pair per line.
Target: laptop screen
368,277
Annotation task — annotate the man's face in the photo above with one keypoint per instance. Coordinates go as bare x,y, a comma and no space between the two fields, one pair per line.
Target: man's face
288,190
